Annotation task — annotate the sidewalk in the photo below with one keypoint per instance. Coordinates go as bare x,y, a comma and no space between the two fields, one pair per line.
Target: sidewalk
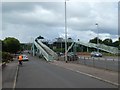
101,74
8,74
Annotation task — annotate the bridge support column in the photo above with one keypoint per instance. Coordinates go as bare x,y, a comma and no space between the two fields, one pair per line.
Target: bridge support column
33,49
87,49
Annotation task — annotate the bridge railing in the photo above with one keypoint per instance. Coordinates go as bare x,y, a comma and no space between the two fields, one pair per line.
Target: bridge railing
113,50
44,53
103,47
51,52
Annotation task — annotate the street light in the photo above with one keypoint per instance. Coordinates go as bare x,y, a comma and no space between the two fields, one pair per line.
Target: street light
65,34
97,37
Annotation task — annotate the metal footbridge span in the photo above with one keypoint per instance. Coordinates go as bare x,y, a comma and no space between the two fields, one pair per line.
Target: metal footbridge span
42,49
102,47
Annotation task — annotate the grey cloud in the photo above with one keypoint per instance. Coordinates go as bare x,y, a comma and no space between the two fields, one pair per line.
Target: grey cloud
46,17
9,7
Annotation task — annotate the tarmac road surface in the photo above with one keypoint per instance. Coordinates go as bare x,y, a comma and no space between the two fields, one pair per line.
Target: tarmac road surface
37,73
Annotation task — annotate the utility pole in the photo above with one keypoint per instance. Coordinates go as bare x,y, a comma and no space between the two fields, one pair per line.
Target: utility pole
65,34
97,37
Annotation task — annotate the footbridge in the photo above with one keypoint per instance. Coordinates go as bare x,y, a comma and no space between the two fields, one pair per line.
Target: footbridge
102,47
43,50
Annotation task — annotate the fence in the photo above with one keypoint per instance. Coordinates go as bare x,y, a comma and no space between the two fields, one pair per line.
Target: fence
104,63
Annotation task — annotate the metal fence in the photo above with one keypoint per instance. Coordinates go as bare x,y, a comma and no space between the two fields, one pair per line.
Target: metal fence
104,63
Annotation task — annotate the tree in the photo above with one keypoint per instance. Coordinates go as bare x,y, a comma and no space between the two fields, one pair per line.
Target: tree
0,45
40,37
117,44
59,39
11,45
95,40
108,42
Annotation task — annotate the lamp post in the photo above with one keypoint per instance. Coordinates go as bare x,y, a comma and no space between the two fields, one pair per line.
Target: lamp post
61,45
97,37
65,34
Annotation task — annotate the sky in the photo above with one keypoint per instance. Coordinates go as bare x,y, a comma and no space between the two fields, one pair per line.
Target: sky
28,20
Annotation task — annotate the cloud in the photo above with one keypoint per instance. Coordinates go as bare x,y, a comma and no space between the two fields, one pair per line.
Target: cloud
48,19
36,16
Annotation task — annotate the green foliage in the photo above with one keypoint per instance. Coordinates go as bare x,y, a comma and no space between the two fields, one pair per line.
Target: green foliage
0,45
24,46
11,45
117,43
108,42
40,37
95,40
6,57
59,50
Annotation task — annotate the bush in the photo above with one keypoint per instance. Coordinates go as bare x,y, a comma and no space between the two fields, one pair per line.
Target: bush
6,57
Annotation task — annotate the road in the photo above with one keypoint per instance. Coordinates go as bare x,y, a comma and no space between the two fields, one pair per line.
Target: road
37,73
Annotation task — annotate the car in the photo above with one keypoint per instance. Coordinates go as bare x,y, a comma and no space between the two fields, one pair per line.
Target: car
96,54
25,58
72,56
60,54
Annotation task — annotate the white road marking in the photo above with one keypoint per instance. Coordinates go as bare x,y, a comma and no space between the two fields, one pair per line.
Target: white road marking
95,77
116,84
15,79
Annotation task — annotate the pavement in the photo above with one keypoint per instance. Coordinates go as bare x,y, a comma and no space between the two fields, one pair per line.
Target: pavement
101,74
8,74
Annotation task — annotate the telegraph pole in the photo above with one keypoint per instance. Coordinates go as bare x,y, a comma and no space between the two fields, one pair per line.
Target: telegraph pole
65,34
97,37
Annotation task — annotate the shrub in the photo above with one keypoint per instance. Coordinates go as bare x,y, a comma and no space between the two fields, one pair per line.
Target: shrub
6,57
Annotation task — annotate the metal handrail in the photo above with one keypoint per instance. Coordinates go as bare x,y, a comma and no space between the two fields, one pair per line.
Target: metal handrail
44,53
103,47
50,51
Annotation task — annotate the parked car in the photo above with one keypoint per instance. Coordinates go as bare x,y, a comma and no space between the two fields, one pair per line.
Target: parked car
72,56
96,54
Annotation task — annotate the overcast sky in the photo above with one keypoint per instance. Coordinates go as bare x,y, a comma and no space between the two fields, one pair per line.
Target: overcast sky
27,20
